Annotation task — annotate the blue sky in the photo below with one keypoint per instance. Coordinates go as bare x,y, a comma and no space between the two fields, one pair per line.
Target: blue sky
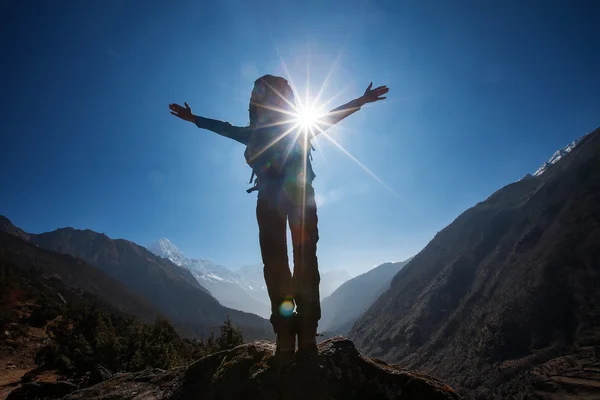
481,94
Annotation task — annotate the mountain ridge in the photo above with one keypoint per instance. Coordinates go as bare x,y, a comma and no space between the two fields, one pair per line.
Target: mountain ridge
244,289
171,288
227,286
75,273
507,289
343,307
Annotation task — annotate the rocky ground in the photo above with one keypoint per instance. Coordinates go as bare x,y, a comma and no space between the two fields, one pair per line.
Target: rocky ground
251,372
17,357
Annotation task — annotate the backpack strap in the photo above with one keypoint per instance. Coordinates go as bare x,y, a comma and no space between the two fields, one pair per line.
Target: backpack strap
255,187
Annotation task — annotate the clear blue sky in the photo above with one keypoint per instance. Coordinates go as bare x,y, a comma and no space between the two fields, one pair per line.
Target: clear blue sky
481,94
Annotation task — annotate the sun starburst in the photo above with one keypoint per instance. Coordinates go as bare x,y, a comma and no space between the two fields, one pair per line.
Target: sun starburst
310,121
309,117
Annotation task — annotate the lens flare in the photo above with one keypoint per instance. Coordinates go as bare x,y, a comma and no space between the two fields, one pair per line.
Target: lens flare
286,308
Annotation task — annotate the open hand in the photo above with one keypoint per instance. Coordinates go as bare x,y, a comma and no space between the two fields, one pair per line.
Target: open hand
373,95
185,113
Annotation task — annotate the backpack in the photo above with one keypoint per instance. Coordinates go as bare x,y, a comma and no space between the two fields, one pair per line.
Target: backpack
273,158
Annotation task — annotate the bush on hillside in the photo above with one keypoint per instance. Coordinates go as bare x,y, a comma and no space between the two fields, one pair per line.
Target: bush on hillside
86,337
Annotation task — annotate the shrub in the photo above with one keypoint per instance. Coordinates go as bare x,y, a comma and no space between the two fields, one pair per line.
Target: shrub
84,337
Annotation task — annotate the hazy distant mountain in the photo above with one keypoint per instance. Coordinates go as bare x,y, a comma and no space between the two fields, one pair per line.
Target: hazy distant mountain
506,299
171,288
229,287
253,274
331,280
346,304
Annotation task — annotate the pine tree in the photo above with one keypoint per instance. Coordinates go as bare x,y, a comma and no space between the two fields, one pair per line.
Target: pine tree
230,336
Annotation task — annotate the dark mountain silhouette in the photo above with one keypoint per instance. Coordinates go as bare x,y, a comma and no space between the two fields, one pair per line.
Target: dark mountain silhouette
506,299
249,372
170,288
7,227
70,277
344,306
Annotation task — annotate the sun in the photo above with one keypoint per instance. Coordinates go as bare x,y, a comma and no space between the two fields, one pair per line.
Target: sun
307,116
310,119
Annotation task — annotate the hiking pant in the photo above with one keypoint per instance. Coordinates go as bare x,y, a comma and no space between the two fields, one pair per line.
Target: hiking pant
277,205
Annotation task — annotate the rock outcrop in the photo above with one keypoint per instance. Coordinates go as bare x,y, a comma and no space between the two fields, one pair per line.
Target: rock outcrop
251,372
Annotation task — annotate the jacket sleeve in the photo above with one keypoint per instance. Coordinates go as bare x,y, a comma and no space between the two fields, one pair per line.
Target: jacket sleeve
336,115
238,133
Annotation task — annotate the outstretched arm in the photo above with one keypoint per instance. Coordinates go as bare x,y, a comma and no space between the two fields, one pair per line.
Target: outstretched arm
237,133
337,114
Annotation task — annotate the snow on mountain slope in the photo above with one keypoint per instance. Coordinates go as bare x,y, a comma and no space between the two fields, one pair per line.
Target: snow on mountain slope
243,290
557,156
253,274
208,271
230,288
165,249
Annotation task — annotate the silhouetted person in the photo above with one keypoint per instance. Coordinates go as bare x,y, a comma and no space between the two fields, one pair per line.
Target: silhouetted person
278,150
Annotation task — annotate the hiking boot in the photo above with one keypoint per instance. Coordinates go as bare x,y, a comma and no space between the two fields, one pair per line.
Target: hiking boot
285,346
307,340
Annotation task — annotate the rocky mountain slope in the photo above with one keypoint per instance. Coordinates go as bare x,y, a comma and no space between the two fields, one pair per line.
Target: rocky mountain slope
61,318
170,288
505,301
63,276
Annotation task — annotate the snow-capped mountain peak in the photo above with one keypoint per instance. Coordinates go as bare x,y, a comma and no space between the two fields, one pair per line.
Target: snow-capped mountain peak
557,156
166,249
229,287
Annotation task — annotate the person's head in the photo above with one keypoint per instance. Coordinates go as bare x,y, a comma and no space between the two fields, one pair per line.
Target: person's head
270,94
